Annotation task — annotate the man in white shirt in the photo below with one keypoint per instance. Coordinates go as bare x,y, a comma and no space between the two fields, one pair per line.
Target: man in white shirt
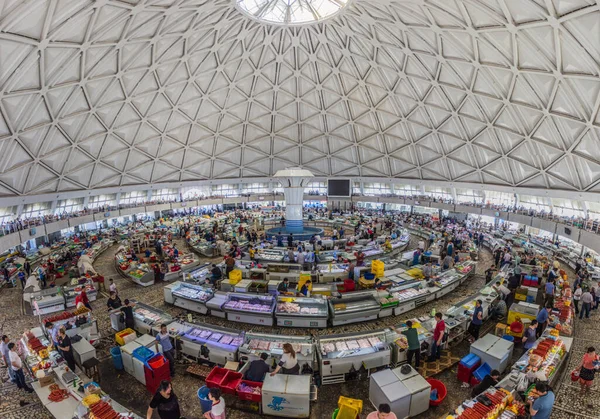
17,366
5,353
112,287
421,245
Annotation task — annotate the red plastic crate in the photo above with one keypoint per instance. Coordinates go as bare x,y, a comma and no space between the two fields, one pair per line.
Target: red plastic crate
215,377
249,396
464,374
230,382
474,381
155,375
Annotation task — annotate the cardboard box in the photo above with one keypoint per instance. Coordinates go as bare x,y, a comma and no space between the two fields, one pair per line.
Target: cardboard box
46,381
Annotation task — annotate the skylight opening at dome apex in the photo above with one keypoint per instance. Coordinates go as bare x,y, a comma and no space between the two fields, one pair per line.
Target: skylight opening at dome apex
291,12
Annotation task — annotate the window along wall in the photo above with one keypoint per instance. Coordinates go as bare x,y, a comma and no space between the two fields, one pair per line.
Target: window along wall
133,198
438,192
499,198
68,206
102,200
230,189
377,189
471,196
536,203
316,188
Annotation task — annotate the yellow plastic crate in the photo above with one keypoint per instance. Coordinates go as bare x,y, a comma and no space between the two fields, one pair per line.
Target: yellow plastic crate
353,403
236,274
377,268
119,336
521,297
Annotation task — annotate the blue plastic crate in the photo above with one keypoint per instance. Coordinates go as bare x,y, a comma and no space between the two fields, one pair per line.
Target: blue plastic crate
530,299
470,361
482,371
143,354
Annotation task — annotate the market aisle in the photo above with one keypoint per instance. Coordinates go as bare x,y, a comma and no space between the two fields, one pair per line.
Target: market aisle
569,403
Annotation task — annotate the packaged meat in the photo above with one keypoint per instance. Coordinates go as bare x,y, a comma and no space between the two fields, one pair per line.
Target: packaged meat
364,343
226,340
253,344
374,341
328,347
216,337
352,344
341,346
264,345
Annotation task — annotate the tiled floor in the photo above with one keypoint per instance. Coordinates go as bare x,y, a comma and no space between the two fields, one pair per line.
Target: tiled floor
126,390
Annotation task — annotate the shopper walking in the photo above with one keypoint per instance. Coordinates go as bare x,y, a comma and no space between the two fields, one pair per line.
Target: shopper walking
414,346
289,363
165,402
587,369
549,289
17,366
127,310
5,352
169,352
576,297
438,336
476,321
217,410
586,300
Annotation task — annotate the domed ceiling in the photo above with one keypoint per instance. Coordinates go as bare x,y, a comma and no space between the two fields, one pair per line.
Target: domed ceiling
107,93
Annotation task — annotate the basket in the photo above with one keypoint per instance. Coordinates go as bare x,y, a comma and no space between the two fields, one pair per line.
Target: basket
242,395
230,382
120,337
441,389
215,377
143,354
156,361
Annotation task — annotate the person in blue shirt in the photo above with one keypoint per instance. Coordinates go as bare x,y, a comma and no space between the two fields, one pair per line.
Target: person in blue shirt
416,257
147,253
165,341
175,252
304,289
542,319
549,293
476,321
529,336
541,408
450,249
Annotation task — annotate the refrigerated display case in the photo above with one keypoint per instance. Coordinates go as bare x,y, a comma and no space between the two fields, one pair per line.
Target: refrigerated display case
253,309
341,356
49,300
148,319
214,344
257,343
278,271
72,291
354,307
269,256
216,303
198,274
189,296
332,271
301,312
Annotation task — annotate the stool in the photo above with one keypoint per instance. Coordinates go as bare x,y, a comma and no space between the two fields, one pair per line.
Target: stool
500,329
91,368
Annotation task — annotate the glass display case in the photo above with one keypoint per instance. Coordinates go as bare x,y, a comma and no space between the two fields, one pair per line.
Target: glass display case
354,307
49,300
257,309
272,345
269,255
72,291
148,319
331,271
341,355
211,343
301,312
189,296
199,274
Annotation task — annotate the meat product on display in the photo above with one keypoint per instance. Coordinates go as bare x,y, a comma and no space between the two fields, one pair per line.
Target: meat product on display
363,343
341,346
328,347
374,341
226,340
352,344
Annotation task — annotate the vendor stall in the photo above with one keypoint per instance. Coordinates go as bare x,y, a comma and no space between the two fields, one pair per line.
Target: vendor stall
211,343
257,343
342,356
302,312
354,307
148,319
244,308
49,300
78,285
189,296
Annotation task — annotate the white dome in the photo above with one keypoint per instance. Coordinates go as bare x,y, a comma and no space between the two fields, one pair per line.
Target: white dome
107,93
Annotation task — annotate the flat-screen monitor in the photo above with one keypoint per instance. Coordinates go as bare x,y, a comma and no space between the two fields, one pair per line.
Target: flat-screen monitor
338,187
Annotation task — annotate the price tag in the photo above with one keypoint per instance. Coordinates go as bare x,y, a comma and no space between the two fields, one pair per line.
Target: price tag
238,318
261,320
287,323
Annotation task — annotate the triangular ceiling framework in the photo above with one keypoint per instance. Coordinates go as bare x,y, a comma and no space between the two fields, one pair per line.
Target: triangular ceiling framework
198,90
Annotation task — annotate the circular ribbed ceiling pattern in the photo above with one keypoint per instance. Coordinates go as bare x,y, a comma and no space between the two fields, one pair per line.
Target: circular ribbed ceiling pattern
105,93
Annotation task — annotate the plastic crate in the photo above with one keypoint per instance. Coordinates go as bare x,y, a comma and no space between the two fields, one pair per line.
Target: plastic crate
215,377
242,395
235,275
120,337
482,371
474,381
354,403
466,367
230,382
143,354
